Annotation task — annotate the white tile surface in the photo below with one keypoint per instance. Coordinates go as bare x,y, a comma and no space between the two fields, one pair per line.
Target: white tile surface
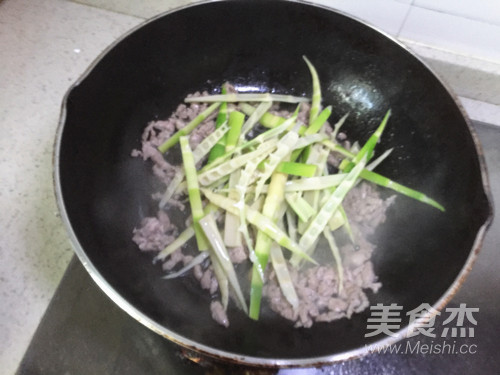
469,77
144,9
45,46
453,33
388,15
385,14
480,10
481,111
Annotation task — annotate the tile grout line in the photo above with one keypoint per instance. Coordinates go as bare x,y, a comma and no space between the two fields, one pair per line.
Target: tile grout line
105,9
410,6
447,51
456,15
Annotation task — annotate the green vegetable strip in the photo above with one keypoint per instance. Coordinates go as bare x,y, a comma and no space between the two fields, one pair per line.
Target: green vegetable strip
310,135
172,187
320,120
267,120
236,120
232,235
309,140
196,260
198,154
283,275
388,183
336,255
169,143
337,148
242,186
181,239
336,221
221,170
269,135
254,117
283,149
319,222
222,279
193,191
297,169
220,147
185,236
370,143
312,197
315,183
304,184
316,88
337,126
247,97
300,206
274,199
209,142
374,164
209,227
260,221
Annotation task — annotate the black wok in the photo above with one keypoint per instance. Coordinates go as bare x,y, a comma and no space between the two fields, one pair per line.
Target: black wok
423,254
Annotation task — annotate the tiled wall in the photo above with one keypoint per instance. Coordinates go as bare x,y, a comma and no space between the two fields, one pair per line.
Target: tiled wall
466,27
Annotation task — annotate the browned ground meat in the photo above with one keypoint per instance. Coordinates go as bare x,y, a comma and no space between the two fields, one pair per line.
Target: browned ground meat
320,299
155,233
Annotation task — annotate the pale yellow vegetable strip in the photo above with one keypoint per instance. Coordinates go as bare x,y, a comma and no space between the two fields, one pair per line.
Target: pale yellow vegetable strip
315,183
241,187
273,202
232,223
201,150
335,199
222,279
209,227
181,239
318,157
282,151
336,221
300,206
172,141
336,255
308,140
254,118
267,120
337,148
207,177
267,136
375,163
260,221
337,127
196,260
248,97
283,275
291,224
193,191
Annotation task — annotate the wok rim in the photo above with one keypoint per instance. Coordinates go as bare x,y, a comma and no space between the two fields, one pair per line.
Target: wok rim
236,358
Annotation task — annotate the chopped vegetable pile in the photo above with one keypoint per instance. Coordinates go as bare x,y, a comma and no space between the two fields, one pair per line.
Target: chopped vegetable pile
273,191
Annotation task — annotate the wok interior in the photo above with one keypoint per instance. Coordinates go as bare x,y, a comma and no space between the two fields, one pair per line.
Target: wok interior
259,46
